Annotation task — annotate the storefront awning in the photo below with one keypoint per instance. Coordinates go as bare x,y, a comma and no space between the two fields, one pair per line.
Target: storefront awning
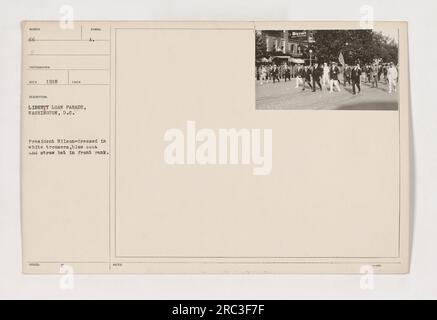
281,57
296,60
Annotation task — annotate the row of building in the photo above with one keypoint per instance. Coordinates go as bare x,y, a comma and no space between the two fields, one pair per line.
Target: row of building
286,44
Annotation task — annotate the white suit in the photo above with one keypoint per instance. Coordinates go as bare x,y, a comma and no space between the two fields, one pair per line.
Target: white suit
325,78
392,75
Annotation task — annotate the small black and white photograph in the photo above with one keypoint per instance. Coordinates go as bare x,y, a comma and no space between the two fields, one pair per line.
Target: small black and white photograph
327,69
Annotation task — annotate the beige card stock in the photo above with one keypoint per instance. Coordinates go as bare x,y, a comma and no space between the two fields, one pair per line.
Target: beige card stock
167,147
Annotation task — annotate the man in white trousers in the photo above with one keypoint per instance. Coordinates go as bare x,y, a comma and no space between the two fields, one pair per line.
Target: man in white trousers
392,75
333,75
299,76
325,76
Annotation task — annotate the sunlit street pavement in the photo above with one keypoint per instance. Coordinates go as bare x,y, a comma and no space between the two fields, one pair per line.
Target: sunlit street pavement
284,95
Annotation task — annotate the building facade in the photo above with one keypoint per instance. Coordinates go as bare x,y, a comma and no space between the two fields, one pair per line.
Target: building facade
287,42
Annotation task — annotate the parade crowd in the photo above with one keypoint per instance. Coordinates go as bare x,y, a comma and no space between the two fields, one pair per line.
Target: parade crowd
326,77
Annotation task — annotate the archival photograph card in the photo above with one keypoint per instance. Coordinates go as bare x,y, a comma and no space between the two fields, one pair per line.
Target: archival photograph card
215,147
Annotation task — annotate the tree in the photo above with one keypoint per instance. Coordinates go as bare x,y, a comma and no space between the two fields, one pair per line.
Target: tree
260,46
385,48
356,45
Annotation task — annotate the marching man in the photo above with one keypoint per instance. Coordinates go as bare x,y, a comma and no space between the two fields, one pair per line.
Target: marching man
275,73
325,77
356,79
299,76
392,75
263,74
333,74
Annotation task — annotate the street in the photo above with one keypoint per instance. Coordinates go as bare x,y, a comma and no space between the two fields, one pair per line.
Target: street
284,95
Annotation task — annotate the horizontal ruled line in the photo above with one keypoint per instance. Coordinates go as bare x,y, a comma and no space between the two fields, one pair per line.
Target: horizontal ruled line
68,84
65,54
51,69
83,40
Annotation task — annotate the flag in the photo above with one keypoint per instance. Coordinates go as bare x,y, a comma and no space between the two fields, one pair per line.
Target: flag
341,59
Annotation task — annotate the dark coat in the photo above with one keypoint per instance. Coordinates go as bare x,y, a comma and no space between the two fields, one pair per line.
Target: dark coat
301,72
287,72
307,74
317,73
333,73
355,74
